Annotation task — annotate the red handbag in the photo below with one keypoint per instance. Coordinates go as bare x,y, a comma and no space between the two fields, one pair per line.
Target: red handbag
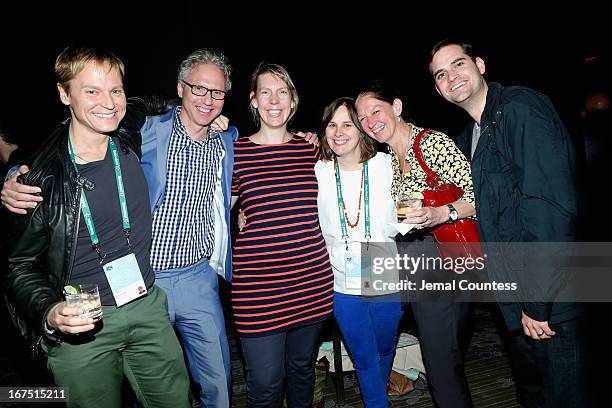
459,239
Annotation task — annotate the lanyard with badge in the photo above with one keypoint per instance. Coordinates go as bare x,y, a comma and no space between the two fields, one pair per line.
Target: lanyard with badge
352,259
123,274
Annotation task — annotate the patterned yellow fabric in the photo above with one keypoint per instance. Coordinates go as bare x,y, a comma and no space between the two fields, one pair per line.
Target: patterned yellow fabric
442,156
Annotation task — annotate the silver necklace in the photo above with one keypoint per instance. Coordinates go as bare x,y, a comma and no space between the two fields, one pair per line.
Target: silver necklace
82,158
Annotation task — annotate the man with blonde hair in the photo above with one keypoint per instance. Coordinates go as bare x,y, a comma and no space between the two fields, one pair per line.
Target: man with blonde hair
93,227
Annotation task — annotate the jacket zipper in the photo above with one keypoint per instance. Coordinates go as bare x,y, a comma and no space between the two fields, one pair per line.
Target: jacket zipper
75,232
35,346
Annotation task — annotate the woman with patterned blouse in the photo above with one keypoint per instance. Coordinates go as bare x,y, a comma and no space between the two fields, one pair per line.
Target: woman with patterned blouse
442,324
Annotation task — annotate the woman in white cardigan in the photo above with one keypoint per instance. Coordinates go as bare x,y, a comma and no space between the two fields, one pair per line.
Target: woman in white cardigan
355,210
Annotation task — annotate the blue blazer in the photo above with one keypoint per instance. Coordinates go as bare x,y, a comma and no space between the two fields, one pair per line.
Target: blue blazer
156,134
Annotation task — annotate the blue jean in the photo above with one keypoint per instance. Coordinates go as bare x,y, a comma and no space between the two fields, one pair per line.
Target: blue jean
550,373
196,313
369,326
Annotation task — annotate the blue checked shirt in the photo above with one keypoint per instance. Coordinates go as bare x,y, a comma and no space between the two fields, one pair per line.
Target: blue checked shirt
183,226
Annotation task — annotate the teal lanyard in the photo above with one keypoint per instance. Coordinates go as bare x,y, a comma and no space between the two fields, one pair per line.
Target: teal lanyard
366,202
86,211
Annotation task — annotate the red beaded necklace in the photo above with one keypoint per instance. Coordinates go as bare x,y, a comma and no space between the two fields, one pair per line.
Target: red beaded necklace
348,221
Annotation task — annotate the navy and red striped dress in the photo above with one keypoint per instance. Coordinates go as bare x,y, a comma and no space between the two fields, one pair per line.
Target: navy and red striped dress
282,278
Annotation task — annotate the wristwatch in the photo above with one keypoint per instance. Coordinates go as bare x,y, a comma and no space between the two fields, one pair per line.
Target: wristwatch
453,215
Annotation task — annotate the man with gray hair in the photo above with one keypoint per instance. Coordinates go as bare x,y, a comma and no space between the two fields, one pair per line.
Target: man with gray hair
188,168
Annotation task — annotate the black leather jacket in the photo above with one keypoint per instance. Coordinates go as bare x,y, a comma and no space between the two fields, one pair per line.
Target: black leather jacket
41,245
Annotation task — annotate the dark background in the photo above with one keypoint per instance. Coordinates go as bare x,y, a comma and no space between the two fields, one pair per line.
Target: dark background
327,53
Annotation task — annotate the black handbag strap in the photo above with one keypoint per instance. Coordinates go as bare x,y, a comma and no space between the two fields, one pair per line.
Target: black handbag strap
432,179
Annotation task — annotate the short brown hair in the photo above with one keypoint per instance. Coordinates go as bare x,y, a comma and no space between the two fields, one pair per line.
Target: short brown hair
366,144
467,48
72,60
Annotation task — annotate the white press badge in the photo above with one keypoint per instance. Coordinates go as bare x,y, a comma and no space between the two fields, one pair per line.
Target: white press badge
352,270
125,279
358,271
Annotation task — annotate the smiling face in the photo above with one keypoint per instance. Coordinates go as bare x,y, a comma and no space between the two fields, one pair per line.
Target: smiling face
378,118
96,98
272,100
457,76
342,135
198,112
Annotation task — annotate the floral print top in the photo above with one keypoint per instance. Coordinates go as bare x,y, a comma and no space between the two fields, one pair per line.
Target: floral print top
441,155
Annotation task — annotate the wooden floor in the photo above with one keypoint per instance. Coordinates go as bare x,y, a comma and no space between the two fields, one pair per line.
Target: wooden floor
487,371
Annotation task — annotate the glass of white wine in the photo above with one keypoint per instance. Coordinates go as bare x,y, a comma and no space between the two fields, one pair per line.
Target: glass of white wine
405,204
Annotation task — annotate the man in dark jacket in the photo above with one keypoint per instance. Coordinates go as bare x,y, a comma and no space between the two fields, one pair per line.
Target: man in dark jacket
93,227
524,175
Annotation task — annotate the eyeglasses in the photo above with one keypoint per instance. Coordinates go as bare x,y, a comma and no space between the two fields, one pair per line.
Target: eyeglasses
200,90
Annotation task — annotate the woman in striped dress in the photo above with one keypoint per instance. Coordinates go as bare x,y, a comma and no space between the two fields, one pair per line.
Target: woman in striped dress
282,286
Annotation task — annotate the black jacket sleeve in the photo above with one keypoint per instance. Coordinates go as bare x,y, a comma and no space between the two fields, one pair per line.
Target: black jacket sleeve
544,170
138,108
26,283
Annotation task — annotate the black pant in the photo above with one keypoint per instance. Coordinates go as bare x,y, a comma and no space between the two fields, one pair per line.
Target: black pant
272,360
549,373
443,332
443,326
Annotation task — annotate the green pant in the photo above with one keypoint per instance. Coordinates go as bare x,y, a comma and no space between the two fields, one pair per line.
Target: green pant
135,340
